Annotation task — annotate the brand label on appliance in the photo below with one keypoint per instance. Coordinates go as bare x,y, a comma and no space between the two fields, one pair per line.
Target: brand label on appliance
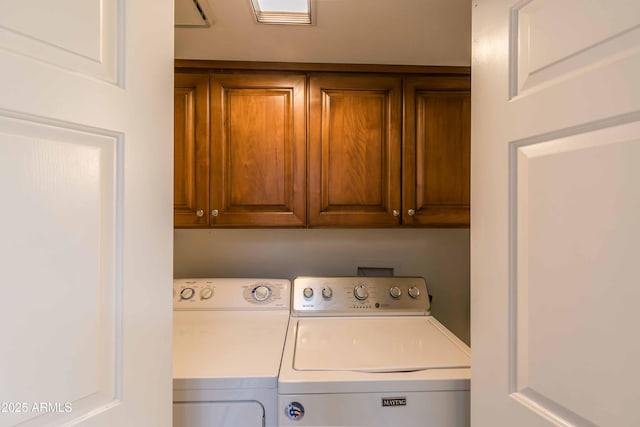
294,411
394,401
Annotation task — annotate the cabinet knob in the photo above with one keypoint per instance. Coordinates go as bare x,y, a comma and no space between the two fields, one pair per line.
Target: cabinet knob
199,212
396,212
411,212
214,212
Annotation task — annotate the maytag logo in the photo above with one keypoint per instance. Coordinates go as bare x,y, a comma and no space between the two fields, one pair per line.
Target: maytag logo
394,401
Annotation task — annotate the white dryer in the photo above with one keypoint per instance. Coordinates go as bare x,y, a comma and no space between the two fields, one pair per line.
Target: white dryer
365,351
228,336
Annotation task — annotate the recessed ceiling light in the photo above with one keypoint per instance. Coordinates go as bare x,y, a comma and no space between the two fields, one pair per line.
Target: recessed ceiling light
296,12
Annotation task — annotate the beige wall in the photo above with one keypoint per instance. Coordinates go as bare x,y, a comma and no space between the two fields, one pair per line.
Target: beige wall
441,256
413,32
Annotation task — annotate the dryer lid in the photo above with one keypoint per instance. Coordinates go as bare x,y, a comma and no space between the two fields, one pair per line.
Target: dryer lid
227,349
394,344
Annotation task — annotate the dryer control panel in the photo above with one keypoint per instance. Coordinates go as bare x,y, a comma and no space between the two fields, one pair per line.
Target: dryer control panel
231,294
360,295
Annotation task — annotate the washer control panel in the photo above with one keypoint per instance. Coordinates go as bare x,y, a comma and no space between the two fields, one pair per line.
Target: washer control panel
231,294
360,295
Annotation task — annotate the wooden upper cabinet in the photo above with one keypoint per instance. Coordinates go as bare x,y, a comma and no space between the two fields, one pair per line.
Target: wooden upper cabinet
354,150
436,151
191,150
384,146
258,149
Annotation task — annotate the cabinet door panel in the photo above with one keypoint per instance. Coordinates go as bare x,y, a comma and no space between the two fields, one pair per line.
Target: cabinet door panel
191,150
354,143
437,152
258,150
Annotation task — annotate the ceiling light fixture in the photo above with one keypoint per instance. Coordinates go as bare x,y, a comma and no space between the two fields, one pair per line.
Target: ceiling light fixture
293,12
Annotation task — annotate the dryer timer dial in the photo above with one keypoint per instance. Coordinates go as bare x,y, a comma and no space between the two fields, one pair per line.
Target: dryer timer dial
187,293
261,293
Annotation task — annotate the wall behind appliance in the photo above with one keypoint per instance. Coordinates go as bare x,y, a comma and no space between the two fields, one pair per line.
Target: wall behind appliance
440,255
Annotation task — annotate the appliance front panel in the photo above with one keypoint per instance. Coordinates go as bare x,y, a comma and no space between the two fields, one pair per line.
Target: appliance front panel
412,409
218,414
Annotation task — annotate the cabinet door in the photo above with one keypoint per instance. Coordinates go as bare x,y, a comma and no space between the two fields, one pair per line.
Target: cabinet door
436,151
258,150
354,143
191,150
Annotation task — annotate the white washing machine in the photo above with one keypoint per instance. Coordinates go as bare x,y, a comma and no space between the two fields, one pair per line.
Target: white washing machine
228,336
365,351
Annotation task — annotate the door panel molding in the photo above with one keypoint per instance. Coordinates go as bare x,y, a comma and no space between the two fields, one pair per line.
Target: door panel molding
533,298
66,180
75,45
543,53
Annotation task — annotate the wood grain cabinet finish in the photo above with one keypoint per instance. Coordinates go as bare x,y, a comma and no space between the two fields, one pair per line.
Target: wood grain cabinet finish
436,151
354,150
191,150
383,146
258,149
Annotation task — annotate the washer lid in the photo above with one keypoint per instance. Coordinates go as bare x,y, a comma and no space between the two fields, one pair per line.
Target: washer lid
393,344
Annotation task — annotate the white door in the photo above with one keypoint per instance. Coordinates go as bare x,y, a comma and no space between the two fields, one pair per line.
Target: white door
86,223
555,228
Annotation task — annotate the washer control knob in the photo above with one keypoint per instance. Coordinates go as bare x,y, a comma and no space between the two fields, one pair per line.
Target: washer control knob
414,292
206,293
187,293
308,293
395,292
261,293
327,292
361,292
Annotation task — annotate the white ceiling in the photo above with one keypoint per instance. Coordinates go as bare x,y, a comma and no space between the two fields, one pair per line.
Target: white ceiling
407,32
